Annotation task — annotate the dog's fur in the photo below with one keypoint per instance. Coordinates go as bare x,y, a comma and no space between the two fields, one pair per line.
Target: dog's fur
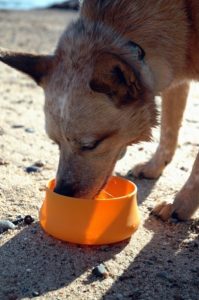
100,86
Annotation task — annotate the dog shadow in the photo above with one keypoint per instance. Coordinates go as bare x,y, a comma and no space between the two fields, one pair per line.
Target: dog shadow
33,262
168,266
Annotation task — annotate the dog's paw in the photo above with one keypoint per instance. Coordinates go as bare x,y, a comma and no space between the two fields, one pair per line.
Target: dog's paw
147,170
181,209
163,210
186,203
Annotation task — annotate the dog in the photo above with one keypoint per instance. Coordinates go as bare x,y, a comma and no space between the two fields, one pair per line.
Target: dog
100,85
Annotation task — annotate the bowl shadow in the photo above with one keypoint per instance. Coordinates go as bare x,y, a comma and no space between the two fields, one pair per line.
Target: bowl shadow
34,262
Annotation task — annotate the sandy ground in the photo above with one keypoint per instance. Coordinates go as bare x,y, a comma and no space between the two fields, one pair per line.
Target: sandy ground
161,261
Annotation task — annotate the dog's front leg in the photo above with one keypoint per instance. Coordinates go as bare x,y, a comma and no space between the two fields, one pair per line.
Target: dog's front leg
186,201
173,105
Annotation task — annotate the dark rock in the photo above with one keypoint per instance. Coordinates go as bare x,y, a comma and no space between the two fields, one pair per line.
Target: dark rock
5,225
150,208
3,162
28,220
184,169
29,130
32,169
17,126
71,5
18,220
39,164
35,294
105,248
100,271
170,261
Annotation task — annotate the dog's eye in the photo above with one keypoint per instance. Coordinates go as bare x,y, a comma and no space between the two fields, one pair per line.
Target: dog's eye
90,146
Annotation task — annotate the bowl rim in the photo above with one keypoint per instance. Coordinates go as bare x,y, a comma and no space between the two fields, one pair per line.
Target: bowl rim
125,197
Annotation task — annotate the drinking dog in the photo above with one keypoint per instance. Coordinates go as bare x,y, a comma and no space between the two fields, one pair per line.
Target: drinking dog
100,85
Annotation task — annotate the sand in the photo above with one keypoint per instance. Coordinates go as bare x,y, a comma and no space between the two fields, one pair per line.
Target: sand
160,261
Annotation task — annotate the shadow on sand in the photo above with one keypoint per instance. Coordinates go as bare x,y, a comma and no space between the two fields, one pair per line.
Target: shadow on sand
35,262
166,268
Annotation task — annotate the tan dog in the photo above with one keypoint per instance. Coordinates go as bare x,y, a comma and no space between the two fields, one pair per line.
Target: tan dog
100,87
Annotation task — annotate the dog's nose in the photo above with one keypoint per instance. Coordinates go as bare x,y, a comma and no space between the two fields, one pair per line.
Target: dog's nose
65,189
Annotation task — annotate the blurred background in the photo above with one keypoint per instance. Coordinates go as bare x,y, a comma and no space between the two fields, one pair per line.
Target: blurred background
29,4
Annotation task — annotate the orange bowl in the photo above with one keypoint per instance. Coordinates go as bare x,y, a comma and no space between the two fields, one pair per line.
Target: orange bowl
111,217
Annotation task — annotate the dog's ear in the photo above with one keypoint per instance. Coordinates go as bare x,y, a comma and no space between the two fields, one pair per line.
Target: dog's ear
115,78
36,66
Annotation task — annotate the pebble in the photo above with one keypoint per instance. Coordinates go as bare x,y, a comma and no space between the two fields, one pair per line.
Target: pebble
5,225
16,126
35,294
32,169
3,162
100,271
184,169
28,270
19,219
104,248
150,208
42,188
29,130
39,164
28,220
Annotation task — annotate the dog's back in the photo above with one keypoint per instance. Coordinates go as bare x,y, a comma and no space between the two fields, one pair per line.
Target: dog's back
167,28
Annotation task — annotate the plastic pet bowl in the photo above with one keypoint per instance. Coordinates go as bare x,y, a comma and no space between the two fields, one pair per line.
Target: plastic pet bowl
109,218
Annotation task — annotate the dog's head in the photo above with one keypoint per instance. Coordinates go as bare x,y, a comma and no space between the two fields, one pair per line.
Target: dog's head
99,99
